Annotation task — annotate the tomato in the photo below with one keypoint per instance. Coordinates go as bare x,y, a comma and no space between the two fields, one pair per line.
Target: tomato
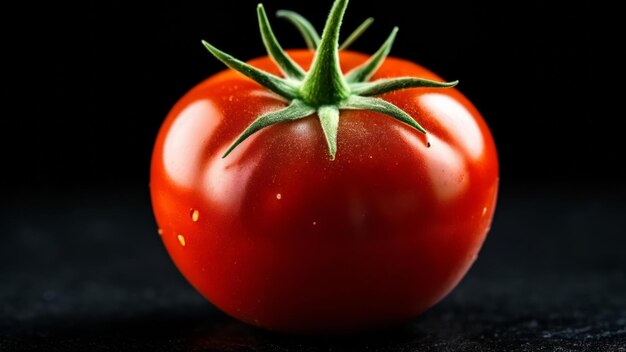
281,236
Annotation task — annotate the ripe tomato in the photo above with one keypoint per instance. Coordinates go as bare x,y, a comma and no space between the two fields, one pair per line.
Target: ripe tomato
281,236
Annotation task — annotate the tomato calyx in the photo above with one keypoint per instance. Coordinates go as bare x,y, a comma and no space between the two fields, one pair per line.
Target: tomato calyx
324,89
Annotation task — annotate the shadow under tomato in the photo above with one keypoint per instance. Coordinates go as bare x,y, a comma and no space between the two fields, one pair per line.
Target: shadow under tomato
201,328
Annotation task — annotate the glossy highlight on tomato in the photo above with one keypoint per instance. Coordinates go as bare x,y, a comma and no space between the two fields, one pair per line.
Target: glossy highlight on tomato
281,236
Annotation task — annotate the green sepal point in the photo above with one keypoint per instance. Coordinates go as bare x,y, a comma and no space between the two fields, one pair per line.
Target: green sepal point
329,119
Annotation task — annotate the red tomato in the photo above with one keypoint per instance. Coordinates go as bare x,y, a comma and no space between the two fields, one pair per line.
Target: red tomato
280,236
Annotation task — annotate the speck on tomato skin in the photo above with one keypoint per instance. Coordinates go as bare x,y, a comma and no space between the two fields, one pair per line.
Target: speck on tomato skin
181,240
195,215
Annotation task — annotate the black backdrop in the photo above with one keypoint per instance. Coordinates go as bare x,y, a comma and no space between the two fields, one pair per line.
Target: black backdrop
88,85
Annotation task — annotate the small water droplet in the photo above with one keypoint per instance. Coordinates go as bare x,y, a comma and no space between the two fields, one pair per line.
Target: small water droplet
195,215
314,223
279,196
371,157
160,231
181,240
484,211
230,98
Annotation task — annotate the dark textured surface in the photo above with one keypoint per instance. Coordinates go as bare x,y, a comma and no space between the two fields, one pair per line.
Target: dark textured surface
88,273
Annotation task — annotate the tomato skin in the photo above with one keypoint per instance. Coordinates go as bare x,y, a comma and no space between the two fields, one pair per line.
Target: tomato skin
289,240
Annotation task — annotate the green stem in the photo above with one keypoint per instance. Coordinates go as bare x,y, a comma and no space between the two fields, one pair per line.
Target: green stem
269,81
296,110
387,85
357,33
324,84
274,50
311,38
365,71
329,119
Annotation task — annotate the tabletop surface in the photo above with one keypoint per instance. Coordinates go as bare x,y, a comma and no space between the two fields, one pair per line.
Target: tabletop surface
88,273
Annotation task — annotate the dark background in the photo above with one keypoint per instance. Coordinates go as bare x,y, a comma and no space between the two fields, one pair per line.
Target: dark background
86,86
89,84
